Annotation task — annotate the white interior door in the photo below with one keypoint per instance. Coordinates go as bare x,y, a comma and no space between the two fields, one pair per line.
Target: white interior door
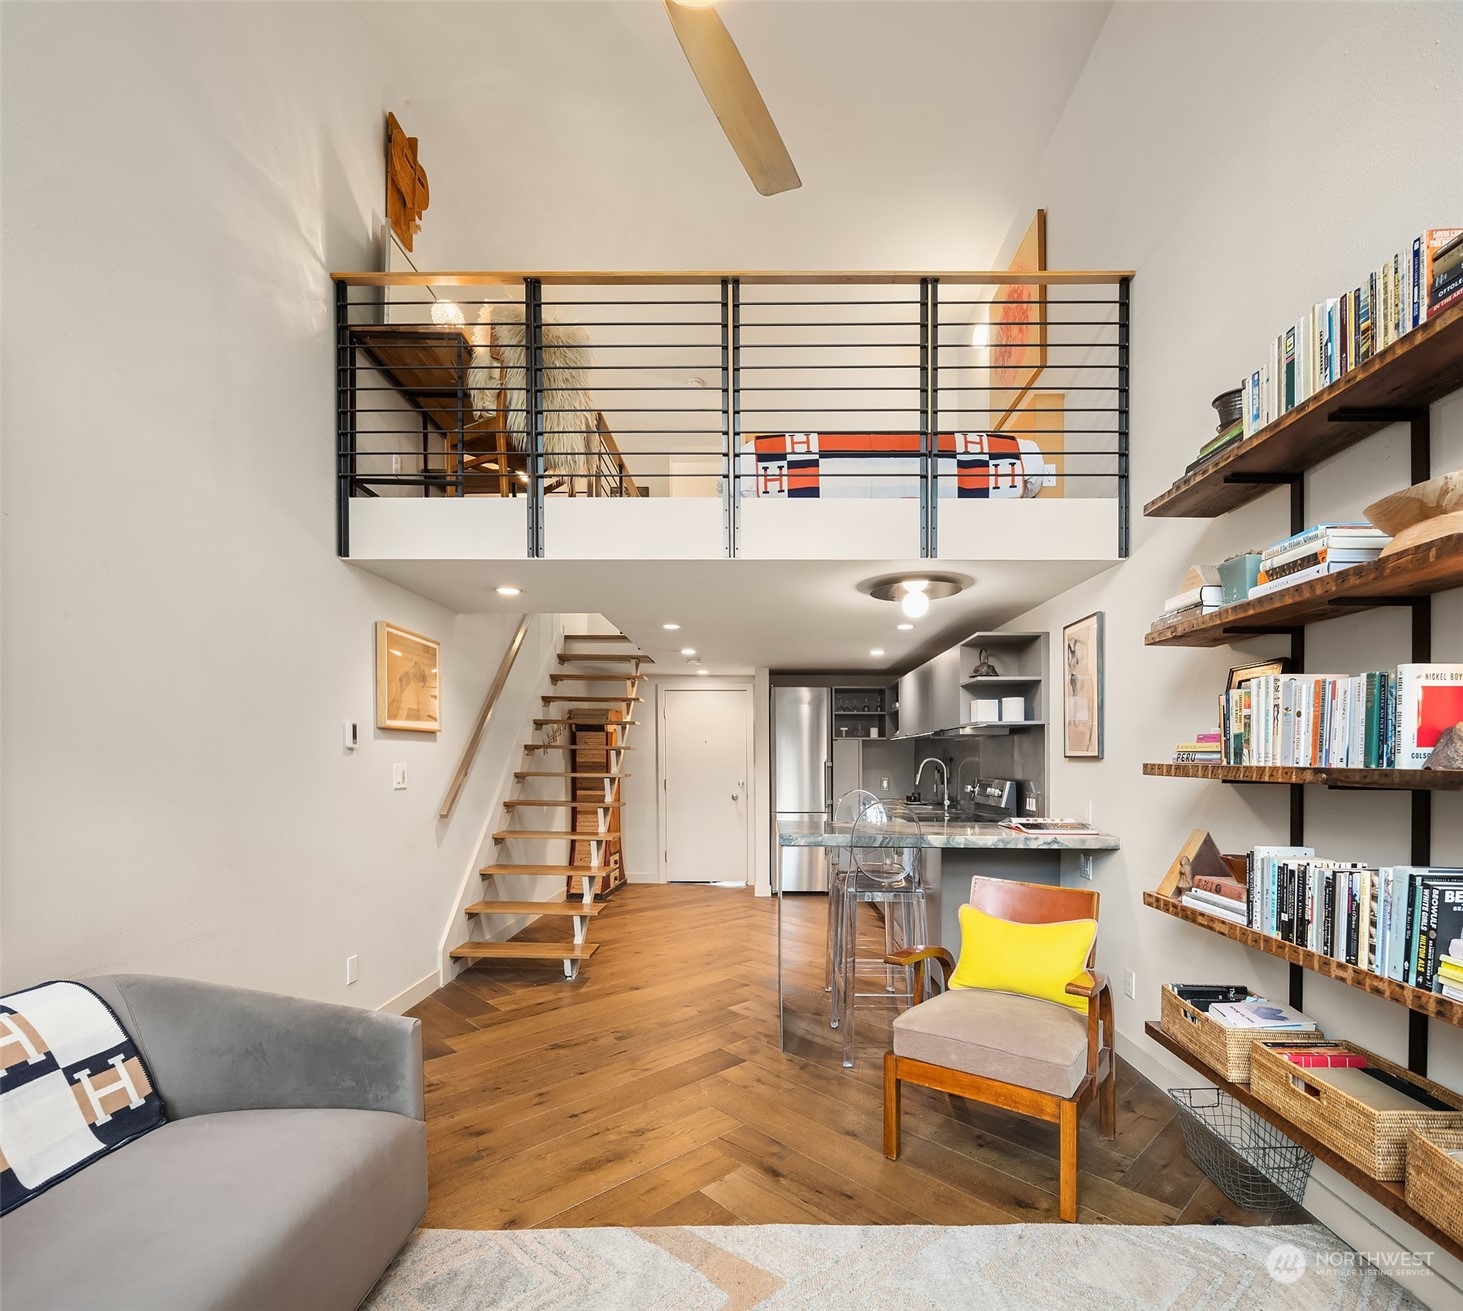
706,760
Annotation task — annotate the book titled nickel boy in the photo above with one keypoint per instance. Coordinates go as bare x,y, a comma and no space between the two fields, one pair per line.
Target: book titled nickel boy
1429,702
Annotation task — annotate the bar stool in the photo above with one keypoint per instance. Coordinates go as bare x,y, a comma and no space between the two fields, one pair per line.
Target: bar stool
885,867
848,808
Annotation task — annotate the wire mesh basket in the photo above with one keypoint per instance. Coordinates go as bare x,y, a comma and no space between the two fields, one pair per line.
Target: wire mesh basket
1250,1161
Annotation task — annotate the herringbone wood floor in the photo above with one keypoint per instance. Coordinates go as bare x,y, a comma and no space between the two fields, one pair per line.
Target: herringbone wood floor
653,1091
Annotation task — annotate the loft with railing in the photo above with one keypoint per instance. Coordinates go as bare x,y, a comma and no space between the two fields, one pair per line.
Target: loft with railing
767,415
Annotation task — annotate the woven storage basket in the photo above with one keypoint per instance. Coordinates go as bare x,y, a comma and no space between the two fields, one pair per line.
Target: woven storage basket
1373,1141
1435,1179
1222,1049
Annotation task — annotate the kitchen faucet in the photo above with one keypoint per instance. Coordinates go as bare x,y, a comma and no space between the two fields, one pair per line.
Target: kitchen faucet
944,777
960,773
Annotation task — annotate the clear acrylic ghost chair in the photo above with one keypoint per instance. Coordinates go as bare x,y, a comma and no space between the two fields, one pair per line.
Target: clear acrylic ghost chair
848,808
886,868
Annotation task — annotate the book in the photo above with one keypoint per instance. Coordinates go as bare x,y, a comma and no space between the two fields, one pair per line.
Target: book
1452,991
1260,1014
1429,701
1307,557
1216,906
1329,534
1376,1089
1229,888
1321,1057
1210,594
1301,576
1443,268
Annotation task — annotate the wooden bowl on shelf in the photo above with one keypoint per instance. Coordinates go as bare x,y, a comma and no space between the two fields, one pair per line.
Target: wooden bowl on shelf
1418,514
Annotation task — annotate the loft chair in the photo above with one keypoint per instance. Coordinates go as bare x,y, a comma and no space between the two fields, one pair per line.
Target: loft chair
1022,1053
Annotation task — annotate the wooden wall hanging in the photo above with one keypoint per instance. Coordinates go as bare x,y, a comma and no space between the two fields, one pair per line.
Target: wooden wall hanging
407,196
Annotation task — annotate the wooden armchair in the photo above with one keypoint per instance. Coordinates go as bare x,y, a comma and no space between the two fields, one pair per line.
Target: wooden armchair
1020,1053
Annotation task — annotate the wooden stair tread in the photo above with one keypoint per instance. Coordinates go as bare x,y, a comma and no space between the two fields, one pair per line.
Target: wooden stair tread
595,637
590,723
524,951
569,773
537,834
601,657
568,746
597,678
533,871
548,698
590,908
588,803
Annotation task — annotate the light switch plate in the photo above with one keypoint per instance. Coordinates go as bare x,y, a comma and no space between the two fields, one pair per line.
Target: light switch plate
398,777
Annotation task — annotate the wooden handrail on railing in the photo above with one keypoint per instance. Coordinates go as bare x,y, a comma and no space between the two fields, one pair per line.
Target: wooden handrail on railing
611,475
454,789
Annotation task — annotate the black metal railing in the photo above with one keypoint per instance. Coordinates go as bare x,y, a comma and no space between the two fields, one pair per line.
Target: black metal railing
936,388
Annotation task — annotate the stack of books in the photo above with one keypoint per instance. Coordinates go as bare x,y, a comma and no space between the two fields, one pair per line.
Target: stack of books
1450,974
1375,720
1205,749
1322,549
1398,921
1216,445
1200,593
1219,895
1340,333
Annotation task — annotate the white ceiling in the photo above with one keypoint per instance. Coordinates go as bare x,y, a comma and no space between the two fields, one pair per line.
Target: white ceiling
573,135
744,614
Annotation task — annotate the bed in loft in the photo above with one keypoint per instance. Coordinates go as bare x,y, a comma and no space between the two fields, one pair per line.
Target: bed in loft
970,465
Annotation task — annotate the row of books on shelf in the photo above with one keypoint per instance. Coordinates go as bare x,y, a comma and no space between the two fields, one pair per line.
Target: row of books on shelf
1342,332
1375,720
1402,922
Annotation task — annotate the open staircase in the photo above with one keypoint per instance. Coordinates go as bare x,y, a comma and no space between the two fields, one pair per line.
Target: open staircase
588,727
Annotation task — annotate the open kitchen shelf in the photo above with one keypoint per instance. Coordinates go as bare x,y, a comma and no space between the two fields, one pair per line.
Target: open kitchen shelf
1417,999
1435,566
1389,1194
1422,367
1398,780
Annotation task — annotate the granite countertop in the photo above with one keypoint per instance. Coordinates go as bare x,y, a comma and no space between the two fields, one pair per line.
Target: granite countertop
954,834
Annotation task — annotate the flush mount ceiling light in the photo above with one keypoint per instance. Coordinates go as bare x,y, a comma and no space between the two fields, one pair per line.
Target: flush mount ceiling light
904,628
670,628
507,590
688,650
703,672
914,592
877,651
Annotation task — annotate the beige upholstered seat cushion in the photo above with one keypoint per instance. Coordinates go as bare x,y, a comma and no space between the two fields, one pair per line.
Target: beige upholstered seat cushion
998,1035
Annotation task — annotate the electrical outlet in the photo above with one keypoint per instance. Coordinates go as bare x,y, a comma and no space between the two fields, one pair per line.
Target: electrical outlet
398,777
1084,866
884,783
350,969
1130,985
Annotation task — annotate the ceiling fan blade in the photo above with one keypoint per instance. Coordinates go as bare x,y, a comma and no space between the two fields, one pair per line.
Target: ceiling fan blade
734,98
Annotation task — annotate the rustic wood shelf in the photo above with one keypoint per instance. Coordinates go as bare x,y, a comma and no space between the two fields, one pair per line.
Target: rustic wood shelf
1434,566
1393,780
1389,1194
1422,367
1417,999
428,362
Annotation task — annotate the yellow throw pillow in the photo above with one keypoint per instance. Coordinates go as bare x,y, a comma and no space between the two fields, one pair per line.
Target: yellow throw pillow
1035,960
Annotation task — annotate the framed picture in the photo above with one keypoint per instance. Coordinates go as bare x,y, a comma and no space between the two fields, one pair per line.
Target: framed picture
1018,329
407,680
1082,688
1243,673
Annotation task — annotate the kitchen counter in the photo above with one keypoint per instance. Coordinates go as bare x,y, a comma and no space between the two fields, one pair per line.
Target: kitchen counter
947,835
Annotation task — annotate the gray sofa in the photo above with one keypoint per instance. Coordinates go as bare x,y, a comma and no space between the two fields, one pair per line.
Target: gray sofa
292,1168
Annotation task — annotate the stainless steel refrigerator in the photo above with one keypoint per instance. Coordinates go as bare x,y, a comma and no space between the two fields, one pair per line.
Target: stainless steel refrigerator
802,777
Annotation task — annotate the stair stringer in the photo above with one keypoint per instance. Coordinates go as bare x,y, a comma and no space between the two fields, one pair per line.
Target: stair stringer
506,733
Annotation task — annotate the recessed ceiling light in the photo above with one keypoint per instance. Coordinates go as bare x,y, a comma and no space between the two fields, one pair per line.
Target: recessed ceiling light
688,650
878,650
904,628
507,590
670,628
703,672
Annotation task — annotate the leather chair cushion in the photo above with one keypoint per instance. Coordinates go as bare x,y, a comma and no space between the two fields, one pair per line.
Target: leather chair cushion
998,1035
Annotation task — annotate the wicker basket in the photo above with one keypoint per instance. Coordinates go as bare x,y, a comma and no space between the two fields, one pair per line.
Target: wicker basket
1373,1141
1221,1048
1435,1179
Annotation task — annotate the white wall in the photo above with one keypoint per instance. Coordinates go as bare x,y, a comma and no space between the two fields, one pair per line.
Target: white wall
1201,149
181,645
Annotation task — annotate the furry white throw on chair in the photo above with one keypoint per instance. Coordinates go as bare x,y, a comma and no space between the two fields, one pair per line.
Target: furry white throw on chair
499,377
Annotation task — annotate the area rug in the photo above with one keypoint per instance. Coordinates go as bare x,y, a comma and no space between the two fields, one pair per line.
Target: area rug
873,1268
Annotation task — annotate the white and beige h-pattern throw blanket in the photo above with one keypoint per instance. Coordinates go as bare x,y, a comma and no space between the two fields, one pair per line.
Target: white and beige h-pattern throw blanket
72,1088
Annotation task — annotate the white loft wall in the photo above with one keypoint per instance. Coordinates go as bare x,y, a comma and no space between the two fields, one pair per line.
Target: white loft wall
180,644
1197,150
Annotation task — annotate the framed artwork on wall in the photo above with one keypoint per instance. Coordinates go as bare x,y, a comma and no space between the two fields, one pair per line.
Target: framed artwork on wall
407,680
1082,688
